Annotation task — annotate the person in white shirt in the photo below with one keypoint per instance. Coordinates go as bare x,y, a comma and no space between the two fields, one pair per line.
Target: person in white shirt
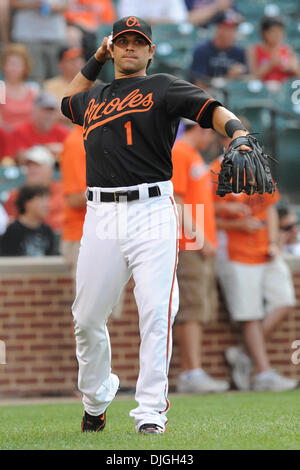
156,11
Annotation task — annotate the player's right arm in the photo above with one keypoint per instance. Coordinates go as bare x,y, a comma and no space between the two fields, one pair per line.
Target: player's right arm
76,97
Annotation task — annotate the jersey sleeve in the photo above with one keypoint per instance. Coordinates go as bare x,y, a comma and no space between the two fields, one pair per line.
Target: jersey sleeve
186,100
73,107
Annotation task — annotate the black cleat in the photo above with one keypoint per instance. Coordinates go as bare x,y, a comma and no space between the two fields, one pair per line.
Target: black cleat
148,428
93,423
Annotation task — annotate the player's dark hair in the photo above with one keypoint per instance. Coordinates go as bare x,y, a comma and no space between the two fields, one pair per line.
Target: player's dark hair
26,193
268,22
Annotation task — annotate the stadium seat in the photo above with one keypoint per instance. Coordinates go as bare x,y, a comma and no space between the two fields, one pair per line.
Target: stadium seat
10,178
289,162
14,177
252,100
174,48
288,101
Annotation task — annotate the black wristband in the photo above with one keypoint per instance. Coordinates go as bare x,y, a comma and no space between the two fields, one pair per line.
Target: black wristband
234,125
92,69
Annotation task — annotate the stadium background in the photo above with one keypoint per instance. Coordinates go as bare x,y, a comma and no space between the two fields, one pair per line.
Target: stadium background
35,299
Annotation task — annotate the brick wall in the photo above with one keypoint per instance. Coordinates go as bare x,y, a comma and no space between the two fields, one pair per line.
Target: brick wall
36,325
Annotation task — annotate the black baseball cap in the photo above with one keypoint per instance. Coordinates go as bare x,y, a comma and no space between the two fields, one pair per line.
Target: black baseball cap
132,24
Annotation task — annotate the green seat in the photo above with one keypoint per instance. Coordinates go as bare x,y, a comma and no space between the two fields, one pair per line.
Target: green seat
250,99
288,100
10,178
174,48
289,162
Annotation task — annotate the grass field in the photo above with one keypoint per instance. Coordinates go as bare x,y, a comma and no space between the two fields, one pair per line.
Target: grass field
229,421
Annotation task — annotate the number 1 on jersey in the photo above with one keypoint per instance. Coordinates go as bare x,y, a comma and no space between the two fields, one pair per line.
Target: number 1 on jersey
128,132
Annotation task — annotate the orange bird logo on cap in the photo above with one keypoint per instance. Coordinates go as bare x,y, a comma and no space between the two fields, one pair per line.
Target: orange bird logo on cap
132,21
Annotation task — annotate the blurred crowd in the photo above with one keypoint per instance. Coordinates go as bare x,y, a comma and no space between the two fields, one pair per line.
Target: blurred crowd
43,45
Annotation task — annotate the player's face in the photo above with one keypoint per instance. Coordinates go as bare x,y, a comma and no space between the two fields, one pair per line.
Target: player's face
131,53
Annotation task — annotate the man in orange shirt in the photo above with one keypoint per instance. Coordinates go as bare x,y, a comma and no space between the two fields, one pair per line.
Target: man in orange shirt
90,14
195,272
72,165
255,280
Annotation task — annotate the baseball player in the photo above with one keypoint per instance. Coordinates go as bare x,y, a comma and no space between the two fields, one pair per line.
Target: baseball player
129,127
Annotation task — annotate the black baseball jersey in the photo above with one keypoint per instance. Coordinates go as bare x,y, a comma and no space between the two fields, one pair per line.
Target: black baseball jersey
130,125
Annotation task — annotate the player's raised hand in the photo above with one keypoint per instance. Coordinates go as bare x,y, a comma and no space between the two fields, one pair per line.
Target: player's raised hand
103,54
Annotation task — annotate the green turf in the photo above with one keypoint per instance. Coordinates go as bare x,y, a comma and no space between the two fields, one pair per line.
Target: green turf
229,421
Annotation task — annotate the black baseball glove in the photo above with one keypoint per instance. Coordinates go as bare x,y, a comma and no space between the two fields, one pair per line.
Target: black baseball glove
246,171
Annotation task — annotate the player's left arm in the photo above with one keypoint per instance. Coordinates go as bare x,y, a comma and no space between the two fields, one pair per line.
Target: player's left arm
221,120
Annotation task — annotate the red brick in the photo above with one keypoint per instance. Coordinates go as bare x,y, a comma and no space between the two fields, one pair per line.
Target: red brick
4,382
41,325
17,347
26,359
13,325
64,281
12,282
27,314
31,380
25,336
41,347
54,380
38,281
13,304
52,292
53,335
41,303
42,369
24,292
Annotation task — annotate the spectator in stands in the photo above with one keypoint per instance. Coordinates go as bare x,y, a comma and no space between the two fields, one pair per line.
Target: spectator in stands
220,56
273,60
255,281
90,14
41,129
4,22
289,231
196,276
5,144
70,60
41,26
75,36
156,11
206,12
72,167
16,66
39,164
28,235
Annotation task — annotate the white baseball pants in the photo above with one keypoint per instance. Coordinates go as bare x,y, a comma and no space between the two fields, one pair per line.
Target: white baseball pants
138,238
